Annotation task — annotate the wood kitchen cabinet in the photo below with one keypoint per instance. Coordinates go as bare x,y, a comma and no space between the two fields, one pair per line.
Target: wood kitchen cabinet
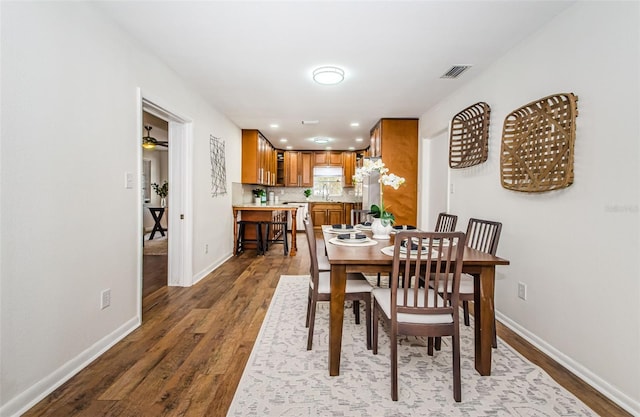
328,158
298,168
326,213
396,141
349,167
258,159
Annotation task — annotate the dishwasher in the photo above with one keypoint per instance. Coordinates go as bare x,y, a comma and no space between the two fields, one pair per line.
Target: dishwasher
303,208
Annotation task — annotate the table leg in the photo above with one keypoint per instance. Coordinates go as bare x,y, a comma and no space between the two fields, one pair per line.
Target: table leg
484,318
294,244
336,316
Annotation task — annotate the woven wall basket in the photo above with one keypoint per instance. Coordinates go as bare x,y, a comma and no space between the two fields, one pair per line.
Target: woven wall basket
469,139
537,145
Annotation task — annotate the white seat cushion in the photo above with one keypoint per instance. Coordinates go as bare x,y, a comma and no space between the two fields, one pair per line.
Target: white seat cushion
353,285
383,296
466,284
323,263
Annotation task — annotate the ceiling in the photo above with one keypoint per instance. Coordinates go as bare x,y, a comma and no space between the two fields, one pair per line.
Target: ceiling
253,60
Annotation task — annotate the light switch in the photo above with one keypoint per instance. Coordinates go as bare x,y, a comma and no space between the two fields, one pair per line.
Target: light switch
128,180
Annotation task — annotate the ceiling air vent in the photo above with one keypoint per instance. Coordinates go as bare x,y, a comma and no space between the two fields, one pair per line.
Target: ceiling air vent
455,71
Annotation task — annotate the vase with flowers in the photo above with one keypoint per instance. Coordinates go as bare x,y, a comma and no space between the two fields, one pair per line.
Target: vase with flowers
162,191
383,219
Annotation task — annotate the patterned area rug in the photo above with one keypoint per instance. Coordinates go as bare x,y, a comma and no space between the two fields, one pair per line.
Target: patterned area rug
282,378
156,246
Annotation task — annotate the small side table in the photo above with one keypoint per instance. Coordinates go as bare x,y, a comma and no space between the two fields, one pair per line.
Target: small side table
157,213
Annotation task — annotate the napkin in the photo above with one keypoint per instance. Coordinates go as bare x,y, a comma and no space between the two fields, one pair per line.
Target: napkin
404,227
342,226
348,236
414,246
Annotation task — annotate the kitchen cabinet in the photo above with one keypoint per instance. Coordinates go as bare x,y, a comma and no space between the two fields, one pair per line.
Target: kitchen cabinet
396,141
298,167
280,169
326,213
348,167
328,158
258,159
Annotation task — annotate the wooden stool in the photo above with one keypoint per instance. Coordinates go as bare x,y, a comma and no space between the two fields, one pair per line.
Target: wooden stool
282,238
259,240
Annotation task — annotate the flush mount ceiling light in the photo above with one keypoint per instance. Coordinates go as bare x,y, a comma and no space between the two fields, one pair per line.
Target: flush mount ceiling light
328,75
321,140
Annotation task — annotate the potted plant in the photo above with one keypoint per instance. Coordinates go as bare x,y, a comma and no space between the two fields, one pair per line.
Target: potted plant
162,191
383,220
307,193
258,193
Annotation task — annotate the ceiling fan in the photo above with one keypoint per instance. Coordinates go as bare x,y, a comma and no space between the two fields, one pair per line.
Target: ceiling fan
149,142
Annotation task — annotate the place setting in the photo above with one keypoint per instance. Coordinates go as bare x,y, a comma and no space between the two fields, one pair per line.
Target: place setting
352,239
414,250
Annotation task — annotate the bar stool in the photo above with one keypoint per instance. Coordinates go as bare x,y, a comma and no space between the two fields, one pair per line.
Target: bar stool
259,241
279,226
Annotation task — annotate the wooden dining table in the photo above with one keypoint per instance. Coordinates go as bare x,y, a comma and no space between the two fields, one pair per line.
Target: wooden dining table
370,259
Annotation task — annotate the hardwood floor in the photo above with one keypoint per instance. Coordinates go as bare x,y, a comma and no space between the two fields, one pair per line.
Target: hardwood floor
188,356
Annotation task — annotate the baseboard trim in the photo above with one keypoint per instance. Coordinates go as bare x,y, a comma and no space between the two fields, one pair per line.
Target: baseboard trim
608,390
207,270
30,397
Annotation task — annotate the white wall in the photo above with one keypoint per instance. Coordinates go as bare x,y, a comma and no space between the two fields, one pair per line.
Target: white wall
69,227
576,249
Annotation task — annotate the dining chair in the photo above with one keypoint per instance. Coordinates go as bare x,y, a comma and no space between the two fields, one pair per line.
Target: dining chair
323,261
482,235
446,222
408,309
360,216
357,289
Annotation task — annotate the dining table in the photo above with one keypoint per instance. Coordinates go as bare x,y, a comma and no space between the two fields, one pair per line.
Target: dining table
370,259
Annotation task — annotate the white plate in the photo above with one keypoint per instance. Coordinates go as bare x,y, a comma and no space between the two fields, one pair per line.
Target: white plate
362,227
366,239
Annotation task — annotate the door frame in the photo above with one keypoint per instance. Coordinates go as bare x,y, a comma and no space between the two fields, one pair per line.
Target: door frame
180,199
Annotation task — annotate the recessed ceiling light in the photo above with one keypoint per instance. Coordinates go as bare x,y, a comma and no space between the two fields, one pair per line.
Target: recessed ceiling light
351,148
328,75
358,139
328,148
289,147
355,124
283,140
274,125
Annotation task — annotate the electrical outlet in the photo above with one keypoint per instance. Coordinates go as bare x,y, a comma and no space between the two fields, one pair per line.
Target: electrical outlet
522,290
206,248
105,298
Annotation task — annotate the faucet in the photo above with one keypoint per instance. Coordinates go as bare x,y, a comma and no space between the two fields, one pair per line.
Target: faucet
325,192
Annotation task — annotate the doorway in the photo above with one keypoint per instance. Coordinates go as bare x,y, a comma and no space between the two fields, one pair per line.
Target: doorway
155,211
178,205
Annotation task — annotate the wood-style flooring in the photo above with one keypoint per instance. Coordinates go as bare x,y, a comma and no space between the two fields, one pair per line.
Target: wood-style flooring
188,356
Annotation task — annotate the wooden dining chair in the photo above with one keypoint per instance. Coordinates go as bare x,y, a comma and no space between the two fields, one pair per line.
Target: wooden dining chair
482,235
360,216
357,289
446,222
409,309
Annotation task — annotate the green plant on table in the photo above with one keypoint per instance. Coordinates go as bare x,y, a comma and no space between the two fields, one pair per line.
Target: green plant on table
161,190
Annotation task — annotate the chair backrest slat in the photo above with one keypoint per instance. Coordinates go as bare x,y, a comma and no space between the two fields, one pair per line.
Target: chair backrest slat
313,254
441,257
483,235
446,222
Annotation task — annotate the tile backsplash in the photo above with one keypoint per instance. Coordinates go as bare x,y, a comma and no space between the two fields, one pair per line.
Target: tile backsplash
242,194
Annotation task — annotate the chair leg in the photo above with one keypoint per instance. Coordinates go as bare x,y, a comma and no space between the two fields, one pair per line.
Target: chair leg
356,310
312,319
367,312
495,333
308,307
438,343
457,386
430,345
378,279
394,367
465,310
374,329
285,241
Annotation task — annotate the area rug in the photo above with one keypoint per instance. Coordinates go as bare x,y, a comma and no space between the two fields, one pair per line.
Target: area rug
156,246
282,378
